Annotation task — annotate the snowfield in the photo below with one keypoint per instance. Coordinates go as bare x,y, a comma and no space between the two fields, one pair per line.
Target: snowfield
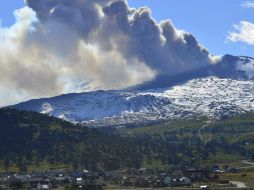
211,96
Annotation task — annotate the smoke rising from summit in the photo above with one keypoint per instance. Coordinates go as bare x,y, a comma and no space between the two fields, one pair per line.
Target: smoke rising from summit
62,46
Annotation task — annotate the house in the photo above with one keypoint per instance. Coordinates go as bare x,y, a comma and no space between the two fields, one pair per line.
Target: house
197,174
142,182
159,182
185,181
60,181
216,169
204,187
128,181
43,186
26,181
167,181
141,171
14,183
113,174
2,183
76,179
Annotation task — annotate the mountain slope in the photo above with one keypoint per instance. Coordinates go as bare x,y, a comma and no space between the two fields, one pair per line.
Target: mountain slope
216,91
211,97
33,139
231,67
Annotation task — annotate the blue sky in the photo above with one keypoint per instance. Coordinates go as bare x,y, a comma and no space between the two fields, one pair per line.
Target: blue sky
210,21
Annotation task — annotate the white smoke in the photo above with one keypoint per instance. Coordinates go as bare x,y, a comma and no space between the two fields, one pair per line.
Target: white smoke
61,46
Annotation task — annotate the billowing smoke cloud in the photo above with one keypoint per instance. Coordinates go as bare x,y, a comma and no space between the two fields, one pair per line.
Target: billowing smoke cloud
61,46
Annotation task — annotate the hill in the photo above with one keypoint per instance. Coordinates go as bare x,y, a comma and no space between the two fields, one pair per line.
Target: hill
212,141
33,140
30,141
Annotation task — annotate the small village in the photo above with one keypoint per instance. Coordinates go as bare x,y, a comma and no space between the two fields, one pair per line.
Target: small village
173,178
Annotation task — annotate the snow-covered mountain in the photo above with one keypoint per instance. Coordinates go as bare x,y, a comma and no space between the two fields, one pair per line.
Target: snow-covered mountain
210,96
224,89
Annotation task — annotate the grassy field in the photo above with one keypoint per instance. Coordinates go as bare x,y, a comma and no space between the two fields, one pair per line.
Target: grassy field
236,132
237,128
44,166
245,176
168,126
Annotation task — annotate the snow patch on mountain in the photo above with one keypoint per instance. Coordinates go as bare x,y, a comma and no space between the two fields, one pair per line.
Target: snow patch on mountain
211,96
46,108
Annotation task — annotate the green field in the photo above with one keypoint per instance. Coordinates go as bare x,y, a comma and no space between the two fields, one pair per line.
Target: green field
234,136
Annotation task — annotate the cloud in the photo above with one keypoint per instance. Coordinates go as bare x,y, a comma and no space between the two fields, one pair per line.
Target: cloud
20,70
244,32
63,46
248,4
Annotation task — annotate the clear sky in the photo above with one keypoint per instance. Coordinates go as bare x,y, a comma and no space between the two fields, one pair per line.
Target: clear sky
209,20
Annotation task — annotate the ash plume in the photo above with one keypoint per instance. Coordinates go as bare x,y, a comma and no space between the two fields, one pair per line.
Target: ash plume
62,46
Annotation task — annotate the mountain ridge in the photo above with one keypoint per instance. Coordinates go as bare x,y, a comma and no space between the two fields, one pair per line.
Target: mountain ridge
212,97
225,68
219,92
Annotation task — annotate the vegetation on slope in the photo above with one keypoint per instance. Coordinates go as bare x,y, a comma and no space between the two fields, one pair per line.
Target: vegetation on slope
29,138
210,142
32,140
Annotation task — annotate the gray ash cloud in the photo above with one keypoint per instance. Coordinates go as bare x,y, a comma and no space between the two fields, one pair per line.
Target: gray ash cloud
57,44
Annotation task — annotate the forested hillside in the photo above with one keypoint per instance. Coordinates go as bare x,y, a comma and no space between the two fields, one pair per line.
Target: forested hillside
31,140
203,140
